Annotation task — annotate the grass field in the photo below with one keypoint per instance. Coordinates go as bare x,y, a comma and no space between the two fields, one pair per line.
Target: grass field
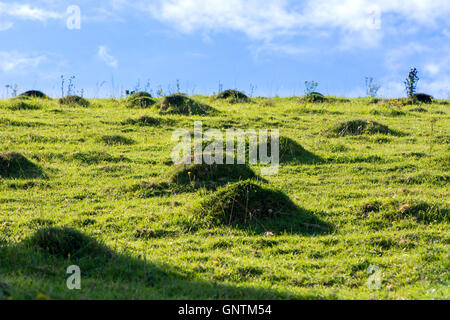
379,198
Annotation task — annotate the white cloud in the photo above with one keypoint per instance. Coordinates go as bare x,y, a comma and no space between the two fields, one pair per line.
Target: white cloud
265,20
26,12
280,48
432,69
15,61
103,54
438,88
397,57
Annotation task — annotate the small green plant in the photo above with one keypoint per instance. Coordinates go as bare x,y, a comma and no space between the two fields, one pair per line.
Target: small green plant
62,85
371,87
411,82
148,87
252,90
160,92
310,87
137,88
14,89
71,86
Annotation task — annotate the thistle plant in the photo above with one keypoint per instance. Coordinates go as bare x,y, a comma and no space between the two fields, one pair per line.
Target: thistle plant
411,82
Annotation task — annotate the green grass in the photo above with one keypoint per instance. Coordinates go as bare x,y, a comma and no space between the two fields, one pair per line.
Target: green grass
106,181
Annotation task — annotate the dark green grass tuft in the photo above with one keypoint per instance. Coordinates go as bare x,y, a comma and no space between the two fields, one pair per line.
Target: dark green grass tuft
422,211
15,165
359,127
419,109
143,121
115,140
74,101
181,104
150,189
65,242
140,100
233,96
96,157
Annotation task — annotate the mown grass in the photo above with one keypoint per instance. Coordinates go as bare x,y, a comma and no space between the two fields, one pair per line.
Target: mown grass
106,179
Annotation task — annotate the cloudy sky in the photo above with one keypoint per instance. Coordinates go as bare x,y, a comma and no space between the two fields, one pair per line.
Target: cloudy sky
268,47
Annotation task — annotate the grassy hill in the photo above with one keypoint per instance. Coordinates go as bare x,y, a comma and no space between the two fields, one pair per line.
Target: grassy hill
93,185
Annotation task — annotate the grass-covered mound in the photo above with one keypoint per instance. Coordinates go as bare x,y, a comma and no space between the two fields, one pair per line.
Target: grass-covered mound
422,98
249,204
233,96
359,127
292,151
313,97
140,100
212,175
33,94
182,104
289,150
65,242
74,101
22,104
15,165
115,140
244,202
143,121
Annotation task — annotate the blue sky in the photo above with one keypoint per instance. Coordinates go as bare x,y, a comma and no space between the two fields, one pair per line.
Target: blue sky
270,46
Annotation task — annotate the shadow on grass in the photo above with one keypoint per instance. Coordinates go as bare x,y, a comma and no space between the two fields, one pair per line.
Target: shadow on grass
38,265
